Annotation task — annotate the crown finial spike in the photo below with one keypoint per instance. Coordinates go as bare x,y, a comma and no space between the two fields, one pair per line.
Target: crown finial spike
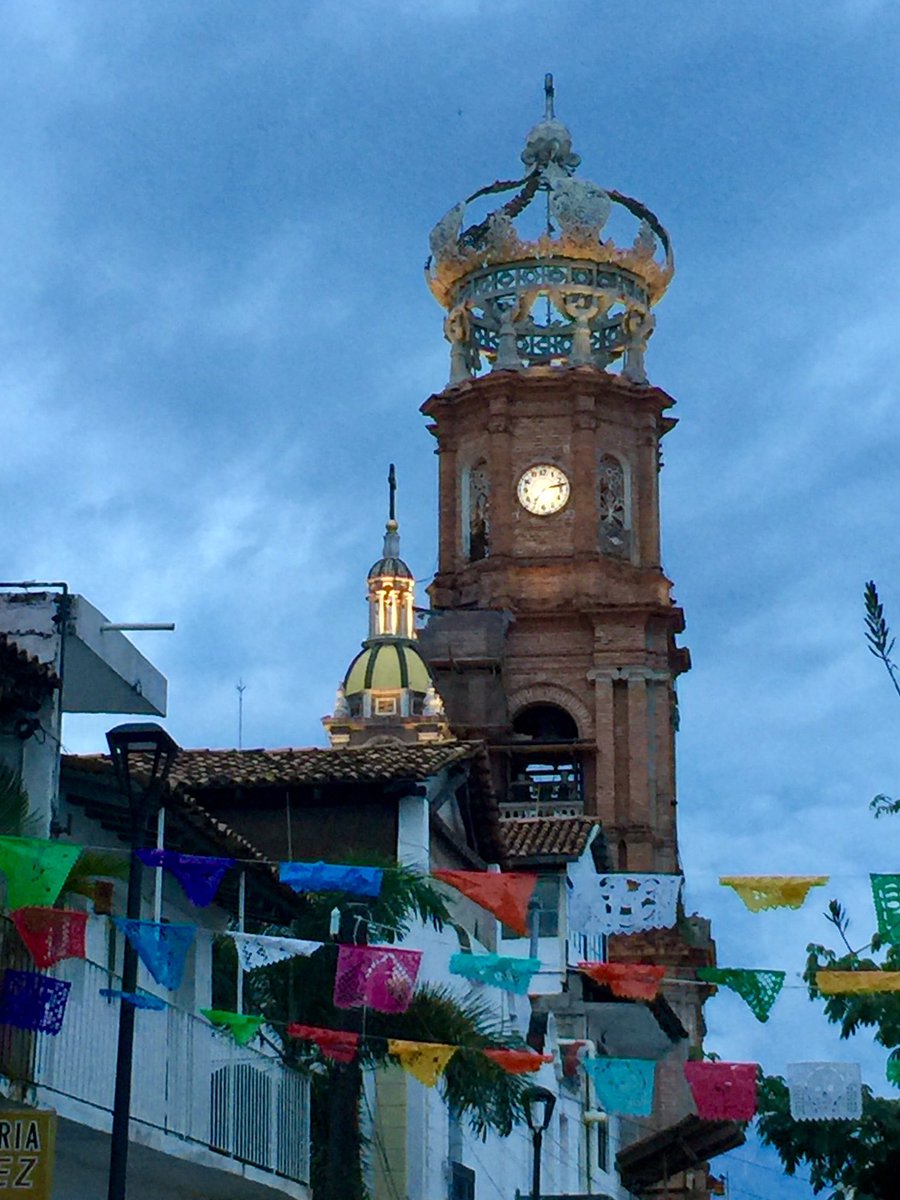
391,534
549,94
392,493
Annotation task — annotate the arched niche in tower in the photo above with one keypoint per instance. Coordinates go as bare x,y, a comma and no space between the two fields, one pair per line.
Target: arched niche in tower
545,723
476,512
546,769
614,506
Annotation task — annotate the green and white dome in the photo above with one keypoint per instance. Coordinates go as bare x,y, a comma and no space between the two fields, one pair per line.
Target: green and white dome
386,665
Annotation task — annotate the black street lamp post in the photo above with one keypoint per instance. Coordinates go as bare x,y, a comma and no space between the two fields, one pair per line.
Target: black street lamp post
539,1103
158,751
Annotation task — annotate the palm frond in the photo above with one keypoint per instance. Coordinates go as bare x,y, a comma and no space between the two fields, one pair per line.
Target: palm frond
92,865
474,1086
14,805
406,896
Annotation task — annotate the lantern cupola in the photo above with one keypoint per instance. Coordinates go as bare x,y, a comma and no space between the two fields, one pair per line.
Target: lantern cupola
388,691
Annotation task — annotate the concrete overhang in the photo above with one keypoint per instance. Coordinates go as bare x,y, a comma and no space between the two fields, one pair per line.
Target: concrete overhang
624,1028
104,671
629,1030
657,1158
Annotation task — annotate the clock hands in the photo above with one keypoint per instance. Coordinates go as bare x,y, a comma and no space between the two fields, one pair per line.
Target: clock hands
536,488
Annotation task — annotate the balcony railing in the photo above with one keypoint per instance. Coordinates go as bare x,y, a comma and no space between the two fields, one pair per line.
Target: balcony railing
189,1080
526,798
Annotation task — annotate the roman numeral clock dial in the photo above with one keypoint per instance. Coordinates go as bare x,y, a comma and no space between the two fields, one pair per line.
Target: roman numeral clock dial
543,489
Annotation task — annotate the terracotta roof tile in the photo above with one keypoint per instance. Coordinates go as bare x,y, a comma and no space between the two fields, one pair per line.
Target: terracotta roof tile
197,773
538,837
196,770
13,657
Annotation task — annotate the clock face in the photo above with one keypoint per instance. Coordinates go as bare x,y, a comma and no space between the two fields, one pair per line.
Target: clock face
543,489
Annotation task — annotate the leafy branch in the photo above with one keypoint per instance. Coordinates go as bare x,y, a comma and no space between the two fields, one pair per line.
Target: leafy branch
878,633
838,917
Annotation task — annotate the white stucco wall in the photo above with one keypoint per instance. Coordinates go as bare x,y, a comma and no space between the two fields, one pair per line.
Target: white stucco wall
501,1165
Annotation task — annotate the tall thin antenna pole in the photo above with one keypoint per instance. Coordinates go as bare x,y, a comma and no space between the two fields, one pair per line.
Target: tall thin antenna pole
240,688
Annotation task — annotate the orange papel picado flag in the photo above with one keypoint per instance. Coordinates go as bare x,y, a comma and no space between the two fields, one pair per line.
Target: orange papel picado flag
425,1061
517,1062
631,981
504,894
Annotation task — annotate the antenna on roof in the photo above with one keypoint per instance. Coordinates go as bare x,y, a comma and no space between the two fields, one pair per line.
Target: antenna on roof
240,688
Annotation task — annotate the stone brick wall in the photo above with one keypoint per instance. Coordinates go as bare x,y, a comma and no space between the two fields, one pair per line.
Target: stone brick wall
589,631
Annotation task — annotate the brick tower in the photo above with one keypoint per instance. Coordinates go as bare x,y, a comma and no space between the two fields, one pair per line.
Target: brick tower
552,629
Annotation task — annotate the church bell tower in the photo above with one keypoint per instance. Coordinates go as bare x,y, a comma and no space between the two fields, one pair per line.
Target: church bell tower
552,631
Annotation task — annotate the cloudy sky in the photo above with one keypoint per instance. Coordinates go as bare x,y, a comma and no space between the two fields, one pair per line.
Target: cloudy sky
215,336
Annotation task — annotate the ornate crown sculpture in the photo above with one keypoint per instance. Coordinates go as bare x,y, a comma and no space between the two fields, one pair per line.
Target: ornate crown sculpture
596,295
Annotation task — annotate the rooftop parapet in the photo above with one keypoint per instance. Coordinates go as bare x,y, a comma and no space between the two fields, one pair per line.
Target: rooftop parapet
564,298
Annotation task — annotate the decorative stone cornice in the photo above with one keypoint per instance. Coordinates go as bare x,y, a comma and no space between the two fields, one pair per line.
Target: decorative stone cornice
629,674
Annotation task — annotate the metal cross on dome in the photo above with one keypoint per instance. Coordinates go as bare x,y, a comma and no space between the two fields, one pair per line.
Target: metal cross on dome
549,94
392,493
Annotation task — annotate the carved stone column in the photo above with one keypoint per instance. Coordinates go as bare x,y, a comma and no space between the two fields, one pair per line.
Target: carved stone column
449,533
647,493
603,802
498,426
584,473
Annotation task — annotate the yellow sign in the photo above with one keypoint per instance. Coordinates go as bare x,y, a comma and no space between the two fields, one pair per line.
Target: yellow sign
26,1153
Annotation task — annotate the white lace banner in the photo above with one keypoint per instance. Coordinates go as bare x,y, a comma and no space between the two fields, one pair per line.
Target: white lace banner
258,950
623,903
825,1091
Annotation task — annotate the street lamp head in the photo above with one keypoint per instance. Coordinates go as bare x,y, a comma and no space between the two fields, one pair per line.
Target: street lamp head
158,750
539,1103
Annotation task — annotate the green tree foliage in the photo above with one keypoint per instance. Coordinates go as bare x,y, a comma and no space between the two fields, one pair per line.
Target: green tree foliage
859,1160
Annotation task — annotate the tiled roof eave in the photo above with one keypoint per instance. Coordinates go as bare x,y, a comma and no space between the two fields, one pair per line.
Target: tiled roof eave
551,839
198,774
199,770
26,666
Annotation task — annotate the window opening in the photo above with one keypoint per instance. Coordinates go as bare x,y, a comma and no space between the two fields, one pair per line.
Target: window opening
613,507
545,776
479,513
545,723
552,780
546,893
602,1145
